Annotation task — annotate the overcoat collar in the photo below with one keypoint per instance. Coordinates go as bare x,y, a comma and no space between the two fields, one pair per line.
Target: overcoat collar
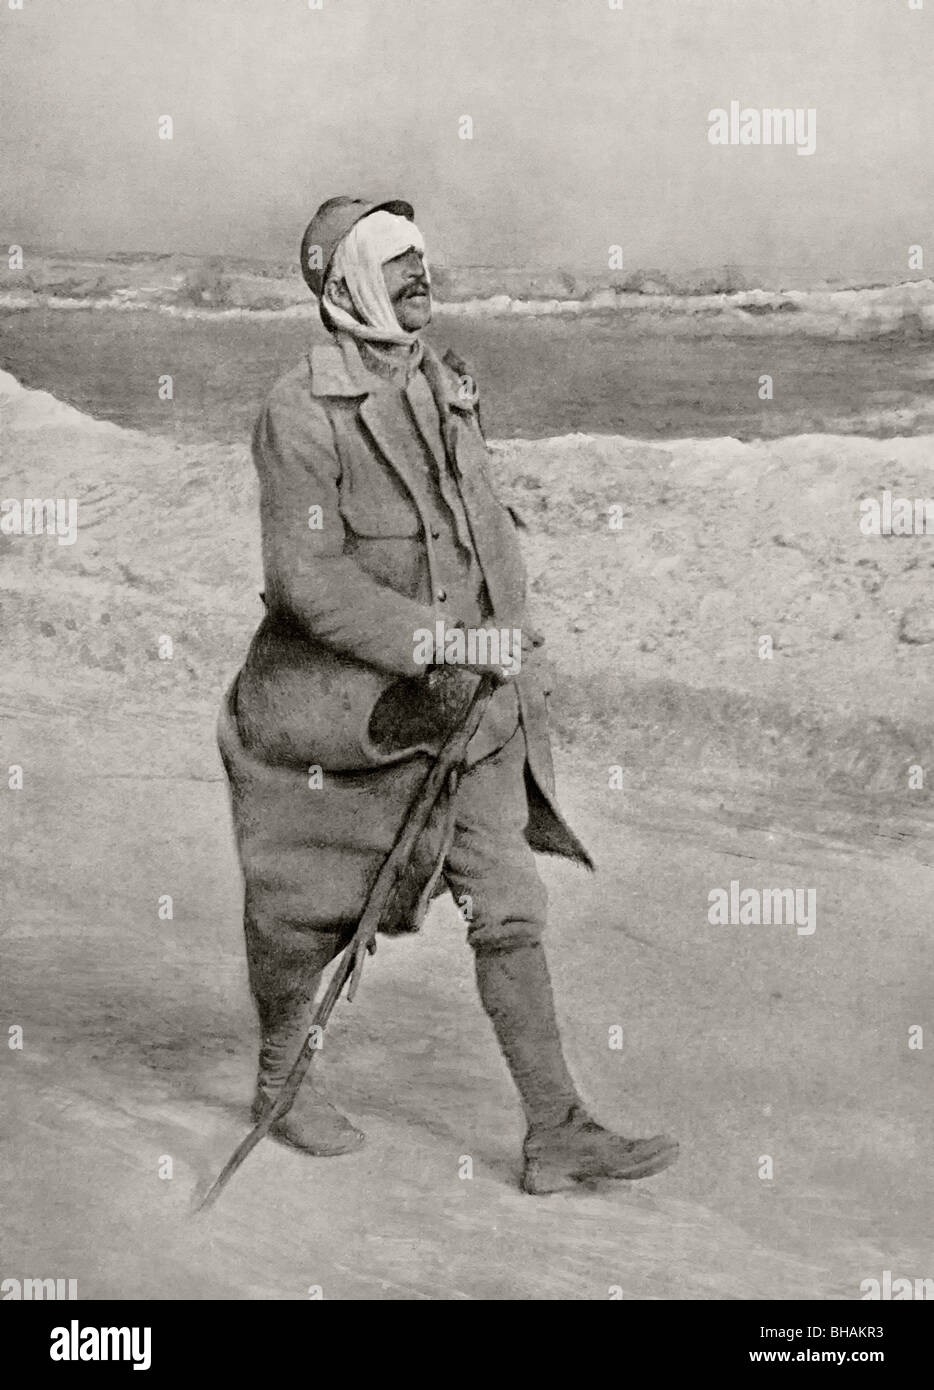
337,369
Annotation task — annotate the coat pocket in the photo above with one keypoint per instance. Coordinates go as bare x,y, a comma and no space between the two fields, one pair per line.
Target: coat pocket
383,535
380,515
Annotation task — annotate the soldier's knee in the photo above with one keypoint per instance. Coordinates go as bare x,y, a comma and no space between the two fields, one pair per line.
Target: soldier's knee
503,907
496,935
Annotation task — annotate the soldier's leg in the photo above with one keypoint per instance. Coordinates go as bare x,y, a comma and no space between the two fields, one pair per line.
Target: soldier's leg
491,871
285,962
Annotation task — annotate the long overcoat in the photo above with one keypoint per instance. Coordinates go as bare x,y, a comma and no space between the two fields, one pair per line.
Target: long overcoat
350,576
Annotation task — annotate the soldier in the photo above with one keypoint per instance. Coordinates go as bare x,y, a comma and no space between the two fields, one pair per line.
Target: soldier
380,520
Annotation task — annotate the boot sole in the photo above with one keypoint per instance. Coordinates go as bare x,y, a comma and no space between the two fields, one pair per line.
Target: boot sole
540,1179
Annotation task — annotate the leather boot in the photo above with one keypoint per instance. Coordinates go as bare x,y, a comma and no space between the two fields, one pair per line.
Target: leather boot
515,988
312,1123
563,1145
579,1150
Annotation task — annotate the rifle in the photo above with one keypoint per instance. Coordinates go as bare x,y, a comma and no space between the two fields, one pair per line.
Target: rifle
444,772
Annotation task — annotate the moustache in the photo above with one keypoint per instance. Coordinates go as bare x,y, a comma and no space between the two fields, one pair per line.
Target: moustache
419,287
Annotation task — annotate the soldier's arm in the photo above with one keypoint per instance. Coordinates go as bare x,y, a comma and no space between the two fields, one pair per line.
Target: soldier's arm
307,573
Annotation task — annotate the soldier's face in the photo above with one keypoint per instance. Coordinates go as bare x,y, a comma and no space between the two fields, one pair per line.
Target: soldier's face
407,283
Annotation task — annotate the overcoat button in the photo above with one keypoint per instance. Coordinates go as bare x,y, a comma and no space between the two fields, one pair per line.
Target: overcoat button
442,595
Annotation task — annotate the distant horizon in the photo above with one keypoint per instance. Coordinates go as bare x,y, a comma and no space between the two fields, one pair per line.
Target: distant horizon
513,268
755,275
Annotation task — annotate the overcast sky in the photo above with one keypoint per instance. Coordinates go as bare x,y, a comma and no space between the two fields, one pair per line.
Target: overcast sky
590,127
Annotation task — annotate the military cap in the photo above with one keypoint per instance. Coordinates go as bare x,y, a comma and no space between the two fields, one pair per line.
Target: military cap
331,222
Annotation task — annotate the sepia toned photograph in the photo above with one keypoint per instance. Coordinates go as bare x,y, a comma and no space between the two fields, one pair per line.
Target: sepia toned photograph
467,556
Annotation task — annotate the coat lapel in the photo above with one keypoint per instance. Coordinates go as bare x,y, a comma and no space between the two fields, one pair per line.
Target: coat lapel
428,417
382,415
448,402
385,419
340,370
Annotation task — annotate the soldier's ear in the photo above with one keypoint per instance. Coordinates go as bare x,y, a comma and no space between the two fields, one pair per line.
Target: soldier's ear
337,293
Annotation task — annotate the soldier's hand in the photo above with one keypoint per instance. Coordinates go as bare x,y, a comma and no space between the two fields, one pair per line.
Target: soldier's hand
530,641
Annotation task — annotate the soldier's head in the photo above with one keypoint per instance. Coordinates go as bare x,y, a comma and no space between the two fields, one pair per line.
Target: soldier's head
372,280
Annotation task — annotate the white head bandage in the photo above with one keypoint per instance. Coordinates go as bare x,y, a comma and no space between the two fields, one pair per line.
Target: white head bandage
358,261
